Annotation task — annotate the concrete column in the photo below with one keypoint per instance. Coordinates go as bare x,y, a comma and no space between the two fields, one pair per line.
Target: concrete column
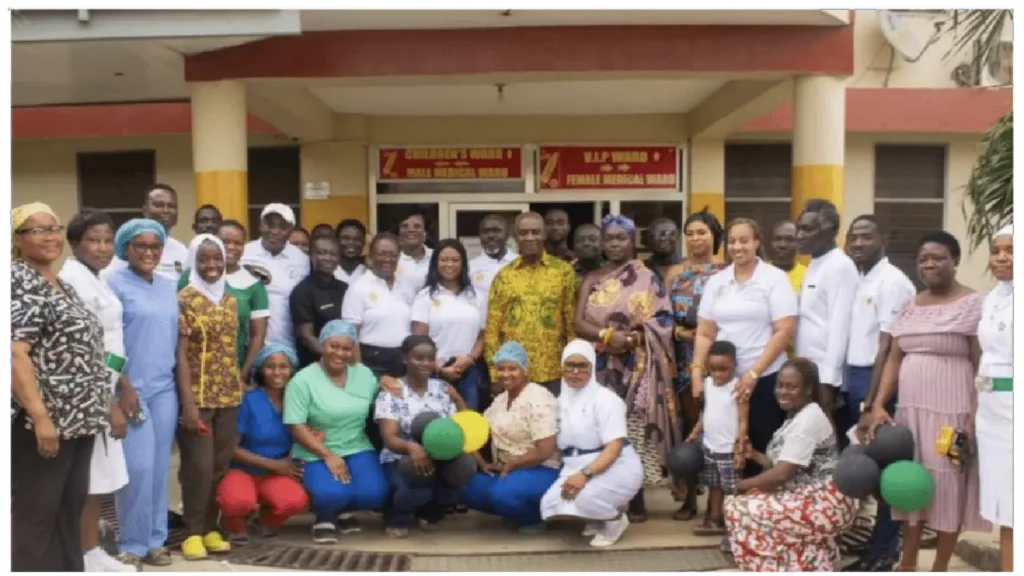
220,147
819,140
707,177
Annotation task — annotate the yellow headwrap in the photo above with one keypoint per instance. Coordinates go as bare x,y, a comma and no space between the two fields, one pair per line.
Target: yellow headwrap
22,213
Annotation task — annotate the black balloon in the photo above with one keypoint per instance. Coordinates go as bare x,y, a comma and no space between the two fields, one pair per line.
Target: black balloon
856,475
458,472
855,449
686,459
419,424
892,443
413,478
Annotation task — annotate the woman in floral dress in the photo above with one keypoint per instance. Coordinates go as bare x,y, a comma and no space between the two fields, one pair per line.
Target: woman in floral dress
786,518
685,284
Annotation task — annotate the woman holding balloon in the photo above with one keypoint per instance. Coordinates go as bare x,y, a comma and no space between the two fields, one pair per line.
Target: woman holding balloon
524,422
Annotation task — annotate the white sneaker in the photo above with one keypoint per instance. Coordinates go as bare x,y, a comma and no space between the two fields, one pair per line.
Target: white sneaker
610,532
97,560
591,528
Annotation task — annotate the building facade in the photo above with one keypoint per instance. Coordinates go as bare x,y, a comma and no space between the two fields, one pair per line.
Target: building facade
365,114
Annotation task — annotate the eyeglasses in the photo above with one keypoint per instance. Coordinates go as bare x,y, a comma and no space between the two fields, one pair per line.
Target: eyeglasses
151,248
576,366
40,231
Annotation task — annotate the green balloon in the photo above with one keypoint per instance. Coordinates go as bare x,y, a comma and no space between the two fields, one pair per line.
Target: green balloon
907,486
443,439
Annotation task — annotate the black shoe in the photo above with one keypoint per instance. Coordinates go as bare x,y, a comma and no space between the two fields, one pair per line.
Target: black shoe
325,533
347,524
871,564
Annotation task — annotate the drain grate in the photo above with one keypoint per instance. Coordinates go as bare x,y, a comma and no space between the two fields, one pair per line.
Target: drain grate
318,559
649,560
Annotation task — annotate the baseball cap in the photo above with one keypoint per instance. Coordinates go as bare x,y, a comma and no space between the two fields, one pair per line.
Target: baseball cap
281,210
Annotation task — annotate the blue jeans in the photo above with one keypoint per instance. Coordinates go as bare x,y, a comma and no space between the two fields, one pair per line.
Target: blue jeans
367,489
427,502
469,387
885,538
515,497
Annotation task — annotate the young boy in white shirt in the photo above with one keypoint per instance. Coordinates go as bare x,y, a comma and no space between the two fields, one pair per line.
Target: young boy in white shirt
717,431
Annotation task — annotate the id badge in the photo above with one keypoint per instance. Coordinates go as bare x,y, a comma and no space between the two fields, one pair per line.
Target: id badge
114,362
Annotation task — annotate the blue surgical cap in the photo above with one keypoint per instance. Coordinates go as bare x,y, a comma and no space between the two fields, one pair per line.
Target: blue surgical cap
620,221
132,228
338,328
512,352
274,348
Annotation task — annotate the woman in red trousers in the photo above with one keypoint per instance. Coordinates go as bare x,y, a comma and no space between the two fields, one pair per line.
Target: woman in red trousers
263,475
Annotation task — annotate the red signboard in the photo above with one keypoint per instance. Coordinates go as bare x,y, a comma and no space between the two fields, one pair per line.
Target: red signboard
450,164
607,167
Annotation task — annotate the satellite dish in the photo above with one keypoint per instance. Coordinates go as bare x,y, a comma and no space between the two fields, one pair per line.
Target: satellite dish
899,35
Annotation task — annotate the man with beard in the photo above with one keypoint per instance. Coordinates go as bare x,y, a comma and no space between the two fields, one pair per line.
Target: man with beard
285,266
207,220
533,302
784,253
161,204
414,260
882,292
663,240
494,234
586,245
826,298
557,225
352,239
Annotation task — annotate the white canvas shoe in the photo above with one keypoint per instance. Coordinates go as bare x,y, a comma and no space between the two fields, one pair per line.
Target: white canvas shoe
610,532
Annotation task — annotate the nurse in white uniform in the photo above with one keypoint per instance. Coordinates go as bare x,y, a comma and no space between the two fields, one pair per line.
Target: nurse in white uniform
994,423
91,236
601,471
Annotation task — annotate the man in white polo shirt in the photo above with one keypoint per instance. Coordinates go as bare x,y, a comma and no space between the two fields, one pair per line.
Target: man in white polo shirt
494,234
161,204
414,260
826,298
285,264
882,292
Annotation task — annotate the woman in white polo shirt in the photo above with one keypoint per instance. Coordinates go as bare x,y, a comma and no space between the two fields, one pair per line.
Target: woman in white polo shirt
751,304
448,310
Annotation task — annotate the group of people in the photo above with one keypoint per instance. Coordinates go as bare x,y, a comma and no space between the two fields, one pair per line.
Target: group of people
289,370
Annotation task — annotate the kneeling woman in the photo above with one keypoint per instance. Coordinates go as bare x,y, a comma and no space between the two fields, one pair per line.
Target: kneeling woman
787,517
524,422
601,471
262,472
334,396
395,413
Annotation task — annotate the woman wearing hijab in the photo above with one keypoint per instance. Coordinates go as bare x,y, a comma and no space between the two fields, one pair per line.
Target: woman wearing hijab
148,395
342,471
249,292
91,236
524,422
601,471
625,310
60,398
263,474
210,389
994,420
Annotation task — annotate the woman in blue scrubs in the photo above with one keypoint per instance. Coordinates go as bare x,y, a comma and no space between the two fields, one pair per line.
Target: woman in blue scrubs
148,394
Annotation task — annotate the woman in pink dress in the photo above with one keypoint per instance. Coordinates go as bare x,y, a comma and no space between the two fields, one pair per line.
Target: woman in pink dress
934,363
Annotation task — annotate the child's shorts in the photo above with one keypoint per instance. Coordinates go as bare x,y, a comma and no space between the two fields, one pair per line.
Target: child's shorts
718,473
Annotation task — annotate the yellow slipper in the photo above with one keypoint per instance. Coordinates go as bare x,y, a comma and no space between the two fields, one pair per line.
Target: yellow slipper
216,544
193,549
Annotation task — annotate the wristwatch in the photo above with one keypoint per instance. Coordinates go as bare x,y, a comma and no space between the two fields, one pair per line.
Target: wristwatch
587,472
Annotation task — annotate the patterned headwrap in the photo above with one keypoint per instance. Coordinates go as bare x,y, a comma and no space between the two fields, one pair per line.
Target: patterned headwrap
620,221
338,328
274,348
512,351
132,228
22,213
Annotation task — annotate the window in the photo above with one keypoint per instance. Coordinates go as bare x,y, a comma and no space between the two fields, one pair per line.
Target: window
758,183
115,181
910,192
274,176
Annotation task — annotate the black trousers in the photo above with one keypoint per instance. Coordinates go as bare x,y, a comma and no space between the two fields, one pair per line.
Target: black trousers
382,362
47,497
766,417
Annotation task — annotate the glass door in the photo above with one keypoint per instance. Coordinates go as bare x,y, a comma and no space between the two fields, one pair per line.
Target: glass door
464,222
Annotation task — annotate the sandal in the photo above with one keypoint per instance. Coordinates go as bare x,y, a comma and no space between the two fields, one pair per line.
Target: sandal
684,514
129,559
395,532
158,557
929,539
710,528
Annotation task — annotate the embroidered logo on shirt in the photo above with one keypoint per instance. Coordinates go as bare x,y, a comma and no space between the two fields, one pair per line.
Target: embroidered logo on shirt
478,276
372,297
437,303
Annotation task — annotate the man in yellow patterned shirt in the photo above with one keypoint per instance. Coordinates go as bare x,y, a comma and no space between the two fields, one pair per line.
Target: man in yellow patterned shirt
532,301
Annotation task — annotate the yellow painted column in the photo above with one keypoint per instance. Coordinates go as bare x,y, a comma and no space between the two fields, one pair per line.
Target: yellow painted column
819,140
343,166
707,177
220,148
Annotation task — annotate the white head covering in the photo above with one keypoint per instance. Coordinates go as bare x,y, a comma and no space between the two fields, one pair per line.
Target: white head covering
1004,288
213,291
282,210
569,394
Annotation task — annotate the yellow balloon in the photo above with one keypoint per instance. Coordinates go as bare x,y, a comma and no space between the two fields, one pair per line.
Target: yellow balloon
475,429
